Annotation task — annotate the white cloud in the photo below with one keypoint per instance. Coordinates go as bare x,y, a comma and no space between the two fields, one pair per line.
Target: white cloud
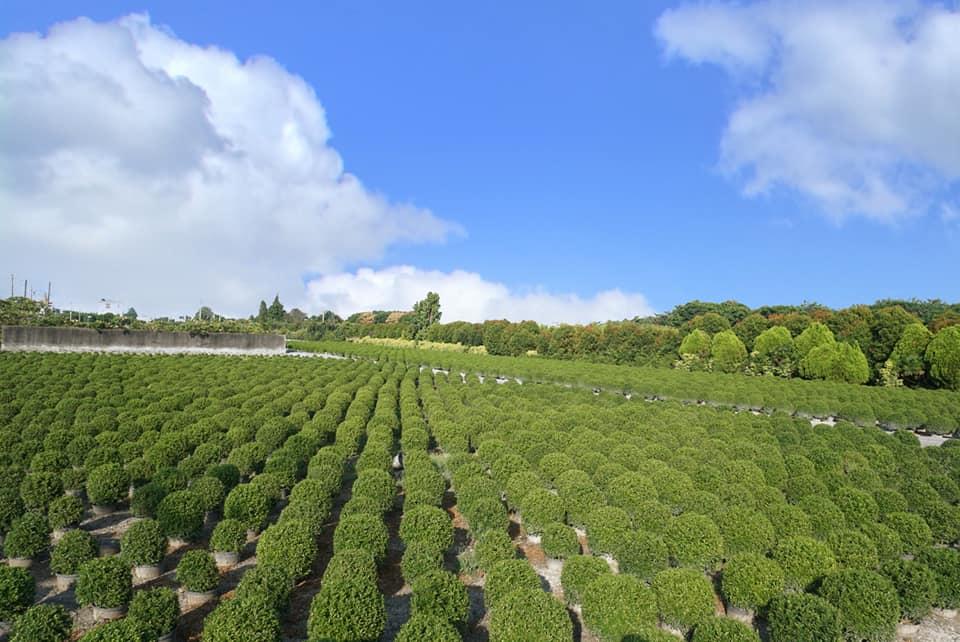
850,102
464,296
137,166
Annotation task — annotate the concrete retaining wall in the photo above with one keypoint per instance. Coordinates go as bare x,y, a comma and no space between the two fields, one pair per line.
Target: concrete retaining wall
54,339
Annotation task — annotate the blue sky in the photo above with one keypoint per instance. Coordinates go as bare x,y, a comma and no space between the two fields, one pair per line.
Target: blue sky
578,151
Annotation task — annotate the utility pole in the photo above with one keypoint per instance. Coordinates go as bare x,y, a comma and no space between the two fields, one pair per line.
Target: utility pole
11,286
24,288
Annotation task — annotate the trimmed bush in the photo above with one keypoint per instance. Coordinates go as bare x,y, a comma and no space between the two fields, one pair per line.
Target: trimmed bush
180,514
378,485
266,584
146,498
422,627
580,497
578,572
352,563
916,587
629,490
804,560
538,508
615,606
290,546
209,491
43,623
745,531
155,611
28,536
442,594
888,543
485,514
606,526
853,549
74,548
684,597
228,474
790,521
559,541
247,504
363,531
721,629
107,484
39,489
912,529
197,571
242,620
104,582
858,506
17,590
530,615
945,564
143,544
641,554
65,511
229,536
694,540
419,558
427,524
506,577
117,631
750,581
347,609
519,484
802,617
492,547
867,603
824,515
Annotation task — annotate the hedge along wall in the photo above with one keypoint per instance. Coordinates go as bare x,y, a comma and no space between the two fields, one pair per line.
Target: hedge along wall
58,339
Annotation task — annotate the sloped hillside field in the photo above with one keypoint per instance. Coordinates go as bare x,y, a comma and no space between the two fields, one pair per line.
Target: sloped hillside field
272,498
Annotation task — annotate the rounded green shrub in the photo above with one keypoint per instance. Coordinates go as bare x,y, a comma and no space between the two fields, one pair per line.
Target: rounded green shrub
858,506
210,492
694,540
804,560
527,615
853,549
721,629
65,511
17,589
180,514
29,535
802,617
347,609
629,490
143,544
912,529
578,572
508,576
155,611
43,623
116,631
265,584
352,563
684,597
290,546
250,619
146,498
615,606
197,571
428,524
73,549
519,484
419,558
228,474
824,515
867,603
790,521
916,587
945,564
427,627
750,581
540,507
247,504
229,536
888,543
107,484
492,547
104,582
606,526
745,531
579,495
485,514
378,485
39,489
559,541
442,594
364,531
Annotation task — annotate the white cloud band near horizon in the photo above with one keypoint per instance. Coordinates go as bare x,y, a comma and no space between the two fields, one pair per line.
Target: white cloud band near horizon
851,103
465,296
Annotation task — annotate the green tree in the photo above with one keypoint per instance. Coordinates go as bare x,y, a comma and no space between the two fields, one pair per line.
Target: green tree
711,323
263,313
749,328
836,362
887,328
204,314
426,312
696,343
909,355
943,357
816,334
276,312
131,314
774,352
728,352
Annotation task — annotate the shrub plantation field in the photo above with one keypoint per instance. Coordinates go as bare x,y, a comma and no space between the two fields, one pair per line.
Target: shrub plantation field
259,499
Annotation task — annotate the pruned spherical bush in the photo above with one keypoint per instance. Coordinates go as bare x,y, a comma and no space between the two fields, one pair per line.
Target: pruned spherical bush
555,464
745,531
858,506
116,631
312,513
197,571
867,602
290,546
580,497
352,563
65,511
228,536
247,504
423,486
802,617
719,629
652,516
507,576
804,560
519,484
945,564
888,543
540,507
364,531
506,465
853,549
606,526
250,619
530,614
73,549
889,501
824,515
347,609
578,572
615,606
912,529
684,597
440,593
266,584
228,474
43,623
630,490
107,484
17,589
750,581
559,541
378,485
359,504
210,491
155,611
284,467
170,479
694,540
916,587
790,521
427,524
492,547
422,626
420,557
104,582
180,514
248,458
143,544
28,536
39,489
146,498
485,514
270,483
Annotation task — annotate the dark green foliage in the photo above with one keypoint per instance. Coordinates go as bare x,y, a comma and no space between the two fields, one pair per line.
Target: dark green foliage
421,627
197,571
615,606
578,572
143,544
530,615
347,609
363,531
641,553
180,514
745,531
912,529
853,549
723,630
104,582
117,631
427,524
107,484
694,540
290,546
858,506
39,489
945,564
420,557
750,581
228,474
559,541
250,619
65,511
43,623
803,560
209,491
540,507
228,536
155,611
492,547
73,549
802,617
867,603
17,590
916,587
442,594
247,504
684,597
378,485
351,563
606,527
265,584
146,498
28,536
506,577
